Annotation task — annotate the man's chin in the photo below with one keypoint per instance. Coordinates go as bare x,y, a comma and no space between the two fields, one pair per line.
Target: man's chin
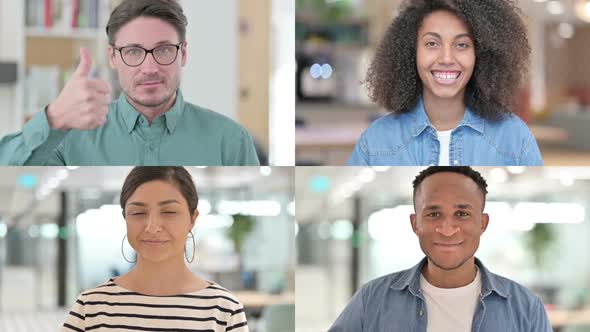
150,101
447,264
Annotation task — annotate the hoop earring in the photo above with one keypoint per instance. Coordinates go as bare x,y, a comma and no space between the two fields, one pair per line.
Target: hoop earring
123,252
194,249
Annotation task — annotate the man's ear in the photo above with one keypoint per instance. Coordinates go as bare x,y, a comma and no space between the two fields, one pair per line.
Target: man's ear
111,56
485,219
414,223
183,52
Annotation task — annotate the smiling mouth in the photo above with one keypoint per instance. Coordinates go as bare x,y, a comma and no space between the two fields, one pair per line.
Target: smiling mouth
154,242
151,83
448,245
446,77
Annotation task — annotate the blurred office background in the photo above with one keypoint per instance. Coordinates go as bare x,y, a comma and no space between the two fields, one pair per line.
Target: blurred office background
240,61
61,231
354,226
335,41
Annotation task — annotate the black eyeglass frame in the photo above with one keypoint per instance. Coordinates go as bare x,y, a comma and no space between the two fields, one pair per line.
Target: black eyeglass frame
146,52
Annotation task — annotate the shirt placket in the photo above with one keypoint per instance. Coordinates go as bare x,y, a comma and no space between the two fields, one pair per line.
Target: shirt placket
456,148
152,135
434,151
479,314
422,316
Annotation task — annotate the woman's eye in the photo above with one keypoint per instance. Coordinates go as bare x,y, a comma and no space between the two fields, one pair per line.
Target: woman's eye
136,213
430,44
169,212
463,45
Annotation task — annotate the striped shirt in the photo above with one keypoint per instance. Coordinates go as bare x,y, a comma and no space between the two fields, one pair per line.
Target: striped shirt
110,307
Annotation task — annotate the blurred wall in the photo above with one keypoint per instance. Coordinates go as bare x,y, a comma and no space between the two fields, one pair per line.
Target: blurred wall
11,48
254,67
210,76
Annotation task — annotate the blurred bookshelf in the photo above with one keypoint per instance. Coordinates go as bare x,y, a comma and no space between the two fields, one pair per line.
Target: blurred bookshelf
81,33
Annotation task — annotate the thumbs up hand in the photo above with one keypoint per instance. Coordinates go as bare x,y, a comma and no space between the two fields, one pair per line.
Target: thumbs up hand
83,103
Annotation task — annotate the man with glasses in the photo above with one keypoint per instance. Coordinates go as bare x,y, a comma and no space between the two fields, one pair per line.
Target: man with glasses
150,123
450,289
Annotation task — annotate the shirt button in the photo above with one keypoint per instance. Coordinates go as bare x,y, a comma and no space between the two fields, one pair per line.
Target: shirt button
421,312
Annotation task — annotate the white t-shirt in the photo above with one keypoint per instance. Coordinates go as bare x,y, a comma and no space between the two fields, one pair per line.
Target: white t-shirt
444,137
451,309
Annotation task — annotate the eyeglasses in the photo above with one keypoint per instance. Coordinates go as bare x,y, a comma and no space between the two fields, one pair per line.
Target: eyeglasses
134,56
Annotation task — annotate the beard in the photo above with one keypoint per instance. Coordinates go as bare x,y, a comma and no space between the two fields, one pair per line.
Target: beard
153,104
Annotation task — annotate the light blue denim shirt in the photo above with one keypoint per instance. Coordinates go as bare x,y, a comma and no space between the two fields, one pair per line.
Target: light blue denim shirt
409,139
394,303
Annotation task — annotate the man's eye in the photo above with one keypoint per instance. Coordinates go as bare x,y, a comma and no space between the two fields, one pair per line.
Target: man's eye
433,214
462,214
169,212
136,213
133,51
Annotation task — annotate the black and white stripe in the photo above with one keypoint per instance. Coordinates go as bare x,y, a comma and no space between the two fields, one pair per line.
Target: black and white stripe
109,307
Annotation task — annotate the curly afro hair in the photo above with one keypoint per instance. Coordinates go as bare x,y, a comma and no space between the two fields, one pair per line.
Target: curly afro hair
501,51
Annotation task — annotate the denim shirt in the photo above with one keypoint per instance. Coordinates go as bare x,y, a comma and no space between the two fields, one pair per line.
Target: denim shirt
394,303
409,139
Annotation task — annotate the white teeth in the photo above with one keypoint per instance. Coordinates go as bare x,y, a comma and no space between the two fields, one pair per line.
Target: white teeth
446,76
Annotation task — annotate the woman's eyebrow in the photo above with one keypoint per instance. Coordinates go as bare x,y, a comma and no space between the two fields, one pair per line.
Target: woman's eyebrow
461,35
436,35
142,204
169,201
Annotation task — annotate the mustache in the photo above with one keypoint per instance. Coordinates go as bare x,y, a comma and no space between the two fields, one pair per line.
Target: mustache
149,79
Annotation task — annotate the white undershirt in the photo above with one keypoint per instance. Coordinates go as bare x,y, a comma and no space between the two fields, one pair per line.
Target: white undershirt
451,309
444,138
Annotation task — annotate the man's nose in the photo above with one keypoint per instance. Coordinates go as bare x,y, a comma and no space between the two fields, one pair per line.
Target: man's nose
149,65
447,228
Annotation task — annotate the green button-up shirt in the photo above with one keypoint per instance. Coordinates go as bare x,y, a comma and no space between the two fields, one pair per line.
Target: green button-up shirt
184,135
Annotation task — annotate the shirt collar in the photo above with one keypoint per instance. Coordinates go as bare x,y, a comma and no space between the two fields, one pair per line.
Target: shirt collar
411,279
131,115
421,121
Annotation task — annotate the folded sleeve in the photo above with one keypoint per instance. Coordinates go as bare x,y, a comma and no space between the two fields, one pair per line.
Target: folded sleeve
35,144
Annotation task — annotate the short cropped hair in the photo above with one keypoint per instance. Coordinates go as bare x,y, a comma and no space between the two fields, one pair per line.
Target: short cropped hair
464,170
169,11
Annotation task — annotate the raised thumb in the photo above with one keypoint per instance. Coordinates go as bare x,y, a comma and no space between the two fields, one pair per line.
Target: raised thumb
85,62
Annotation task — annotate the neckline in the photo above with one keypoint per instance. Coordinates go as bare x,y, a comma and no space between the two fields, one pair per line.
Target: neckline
210,286
452,291
444,132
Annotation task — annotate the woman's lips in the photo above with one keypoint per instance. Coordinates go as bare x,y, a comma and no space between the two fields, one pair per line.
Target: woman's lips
155,242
